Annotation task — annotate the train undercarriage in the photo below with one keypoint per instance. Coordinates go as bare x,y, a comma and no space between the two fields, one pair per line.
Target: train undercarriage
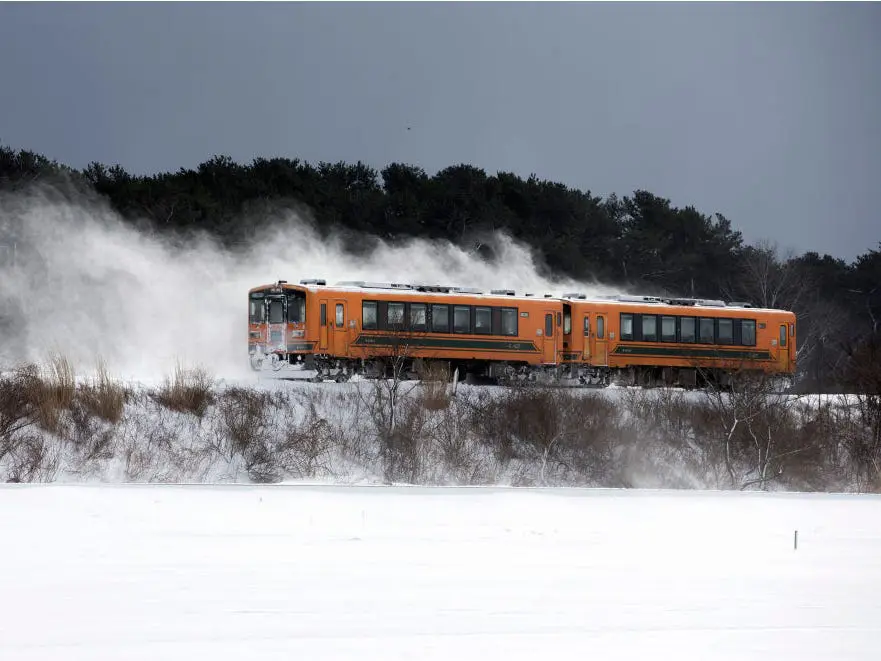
319,368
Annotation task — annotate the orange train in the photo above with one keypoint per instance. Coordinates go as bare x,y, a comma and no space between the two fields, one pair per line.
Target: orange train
343,329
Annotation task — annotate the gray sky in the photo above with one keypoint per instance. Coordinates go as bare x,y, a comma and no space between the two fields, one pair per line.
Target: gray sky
766,113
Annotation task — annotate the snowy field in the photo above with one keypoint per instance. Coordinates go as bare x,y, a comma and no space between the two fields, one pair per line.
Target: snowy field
320,572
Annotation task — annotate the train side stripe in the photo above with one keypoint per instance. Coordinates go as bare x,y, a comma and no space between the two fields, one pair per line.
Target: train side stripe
681,352
446,343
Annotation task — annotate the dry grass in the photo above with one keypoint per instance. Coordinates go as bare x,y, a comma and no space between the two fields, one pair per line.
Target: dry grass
53,392
187,391
103,397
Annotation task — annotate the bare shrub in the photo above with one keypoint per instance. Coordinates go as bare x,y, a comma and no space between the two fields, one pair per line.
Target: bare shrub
308,443
187,391
243,417
32,459
16,405
452,453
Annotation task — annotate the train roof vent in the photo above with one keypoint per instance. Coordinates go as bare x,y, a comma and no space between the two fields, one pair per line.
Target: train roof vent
502,292
629,298
312,281
374,285
466,290
710,303
549,295
575,294
739,304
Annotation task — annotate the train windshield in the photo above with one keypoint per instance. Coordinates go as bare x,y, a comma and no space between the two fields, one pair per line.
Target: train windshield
296,307
257,309
276,310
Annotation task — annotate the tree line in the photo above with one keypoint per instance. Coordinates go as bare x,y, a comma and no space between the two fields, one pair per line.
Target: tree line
640,242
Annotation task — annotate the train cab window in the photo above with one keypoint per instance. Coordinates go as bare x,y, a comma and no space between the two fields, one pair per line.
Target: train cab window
417,316
668,329
726,331
748,332
395,315
626,326
549,325
461,319
296,307
483,321
601,327
340,315
783,336
368,315
509,321
586,326
440,318
567,321
276,311
649,327
257,312
686,329
707,331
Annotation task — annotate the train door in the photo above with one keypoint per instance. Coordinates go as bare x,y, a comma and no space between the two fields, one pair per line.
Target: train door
549,343
340,344
322,327
783,347
586,327
276,326
600,332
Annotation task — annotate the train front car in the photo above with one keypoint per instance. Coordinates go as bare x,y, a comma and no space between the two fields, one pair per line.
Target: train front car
277,325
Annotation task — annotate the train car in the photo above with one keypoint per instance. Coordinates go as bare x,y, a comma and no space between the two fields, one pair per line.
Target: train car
343,329
644,340
348,328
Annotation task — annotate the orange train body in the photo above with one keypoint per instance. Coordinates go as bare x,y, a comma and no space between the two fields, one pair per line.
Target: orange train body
340,330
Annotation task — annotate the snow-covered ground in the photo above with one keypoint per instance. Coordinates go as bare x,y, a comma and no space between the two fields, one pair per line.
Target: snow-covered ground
319,572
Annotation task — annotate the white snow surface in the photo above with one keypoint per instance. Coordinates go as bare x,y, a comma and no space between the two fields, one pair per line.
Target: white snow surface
328,572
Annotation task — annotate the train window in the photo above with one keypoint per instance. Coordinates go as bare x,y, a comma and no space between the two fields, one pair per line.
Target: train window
368,315
686,329
791,330
748,332
707,331
649,327
276,311
567,321
257,314
395,315
461,319
509,321
549,325
440,318
783,336
340,315
668,329
601,327
323,314
417,316
626,326
726,331
586,326
483,321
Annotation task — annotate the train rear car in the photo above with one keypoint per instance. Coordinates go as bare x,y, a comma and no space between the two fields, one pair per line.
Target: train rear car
644,340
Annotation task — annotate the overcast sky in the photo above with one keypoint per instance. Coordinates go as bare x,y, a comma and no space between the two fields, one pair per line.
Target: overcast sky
768,114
